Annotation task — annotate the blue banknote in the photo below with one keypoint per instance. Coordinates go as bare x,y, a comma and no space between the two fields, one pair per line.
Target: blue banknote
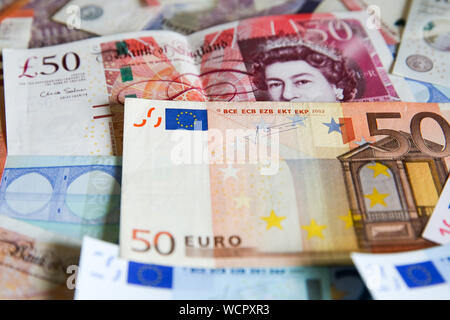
427,92
103,275
73,196
424,91
418,274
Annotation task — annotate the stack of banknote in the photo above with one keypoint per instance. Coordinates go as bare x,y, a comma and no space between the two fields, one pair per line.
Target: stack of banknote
225,149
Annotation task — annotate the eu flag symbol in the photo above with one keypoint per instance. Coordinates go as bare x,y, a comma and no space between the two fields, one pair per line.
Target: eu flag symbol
150,275
420,274
188,119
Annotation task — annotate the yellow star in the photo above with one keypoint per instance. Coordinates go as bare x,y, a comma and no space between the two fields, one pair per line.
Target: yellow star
378,169
377,198
242,201
348,219
273,221
314,230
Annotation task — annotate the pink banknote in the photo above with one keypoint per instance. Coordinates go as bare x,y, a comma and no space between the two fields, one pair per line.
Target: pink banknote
304,57
281,58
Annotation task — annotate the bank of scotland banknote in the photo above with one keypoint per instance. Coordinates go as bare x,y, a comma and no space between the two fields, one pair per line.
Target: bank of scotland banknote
34,262
240,61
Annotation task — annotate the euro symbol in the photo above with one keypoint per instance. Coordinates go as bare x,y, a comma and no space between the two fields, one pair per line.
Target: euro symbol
25,69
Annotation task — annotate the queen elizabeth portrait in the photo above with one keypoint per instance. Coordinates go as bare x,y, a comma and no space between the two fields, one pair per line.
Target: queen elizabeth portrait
290,69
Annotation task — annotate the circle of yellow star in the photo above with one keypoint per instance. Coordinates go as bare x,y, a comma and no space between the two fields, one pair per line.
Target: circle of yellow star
378,169
273,221
377,198
314,230
186,125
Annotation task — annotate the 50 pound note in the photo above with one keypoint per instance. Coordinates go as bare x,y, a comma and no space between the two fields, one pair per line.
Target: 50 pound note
73,94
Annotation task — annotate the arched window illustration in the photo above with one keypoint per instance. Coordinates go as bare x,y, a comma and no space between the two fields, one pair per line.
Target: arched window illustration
392,197
381,195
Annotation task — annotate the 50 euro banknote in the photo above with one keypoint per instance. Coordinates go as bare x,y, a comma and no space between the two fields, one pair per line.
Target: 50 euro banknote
271,183
73,94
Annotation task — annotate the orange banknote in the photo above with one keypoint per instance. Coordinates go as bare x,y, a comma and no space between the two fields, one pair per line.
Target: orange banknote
278,183
34,262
